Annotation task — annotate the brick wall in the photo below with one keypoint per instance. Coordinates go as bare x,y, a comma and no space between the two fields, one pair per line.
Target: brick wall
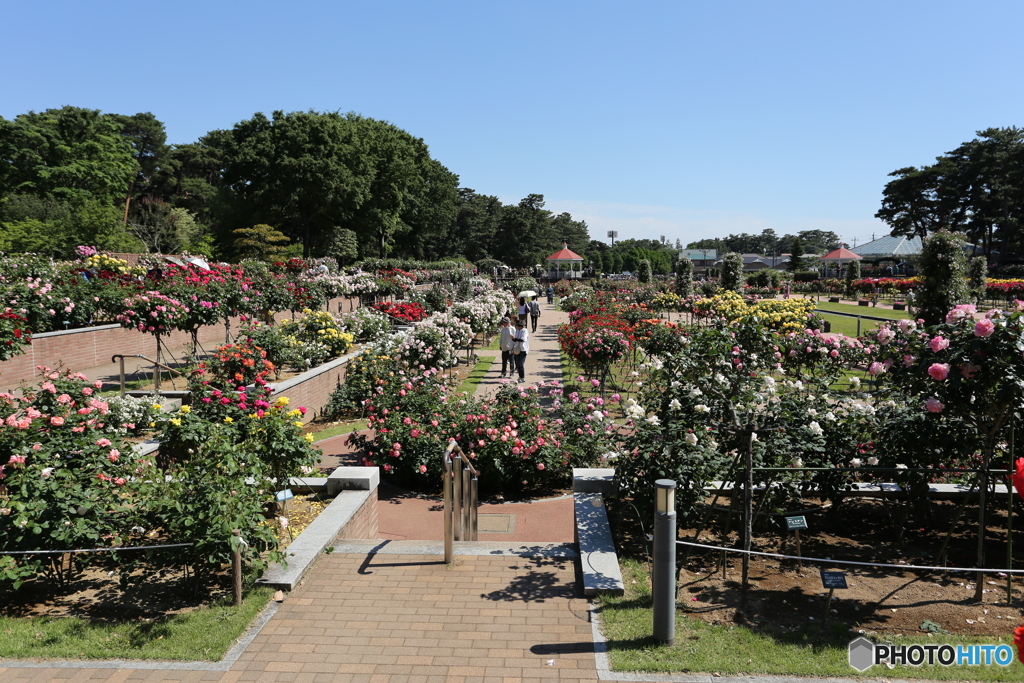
363,524
89,347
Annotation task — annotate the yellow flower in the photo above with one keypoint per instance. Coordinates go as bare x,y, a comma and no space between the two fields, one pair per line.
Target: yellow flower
308,438
186,409
281,401
294,413
298,423
254,416
156,406
228,420
176,422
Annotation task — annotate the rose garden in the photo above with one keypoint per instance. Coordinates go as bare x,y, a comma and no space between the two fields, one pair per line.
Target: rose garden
720,386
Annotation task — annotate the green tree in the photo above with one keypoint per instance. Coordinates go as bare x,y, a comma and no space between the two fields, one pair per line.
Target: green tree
943,266
797,262
977,189
732,272
70,154
852,274
260,242
344,245
684,277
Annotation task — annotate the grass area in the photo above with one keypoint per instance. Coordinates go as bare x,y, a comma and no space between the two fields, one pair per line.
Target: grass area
204,634
819,649
337,430
848,326
470,384
863,310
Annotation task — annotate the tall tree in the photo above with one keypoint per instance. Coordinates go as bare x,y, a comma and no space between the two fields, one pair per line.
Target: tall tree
977,189
70,154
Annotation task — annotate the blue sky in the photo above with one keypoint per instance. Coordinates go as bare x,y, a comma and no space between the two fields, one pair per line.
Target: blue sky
682,119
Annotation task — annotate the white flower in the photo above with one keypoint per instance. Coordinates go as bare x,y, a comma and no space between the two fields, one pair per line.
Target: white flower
654,420
701,408
674,404
854,382
720,378
634,373
753,436
798,385
691,439
739,406
797,462
597,415
695,392
634,410
45,474
812,412
901,467
713,443
816,429
855,462
610,455
872,461
830,416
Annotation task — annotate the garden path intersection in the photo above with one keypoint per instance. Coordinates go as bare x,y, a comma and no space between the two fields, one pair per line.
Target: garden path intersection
509,609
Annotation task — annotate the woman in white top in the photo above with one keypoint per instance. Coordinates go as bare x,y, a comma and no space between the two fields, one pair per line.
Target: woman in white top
523,309
520,347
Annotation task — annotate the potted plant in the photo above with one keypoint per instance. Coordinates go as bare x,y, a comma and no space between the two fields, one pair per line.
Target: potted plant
899,306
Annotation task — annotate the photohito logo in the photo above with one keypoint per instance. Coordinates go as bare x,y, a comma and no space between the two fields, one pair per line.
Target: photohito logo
864,654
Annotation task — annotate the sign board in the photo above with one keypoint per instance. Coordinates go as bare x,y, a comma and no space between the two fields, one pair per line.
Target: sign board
796,522
833,580
282,496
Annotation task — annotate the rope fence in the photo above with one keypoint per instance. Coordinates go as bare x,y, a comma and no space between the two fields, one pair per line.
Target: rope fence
980,570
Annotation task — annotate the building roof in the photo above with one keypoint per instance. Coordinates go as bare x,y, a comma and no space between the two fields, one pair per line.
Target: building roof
841,254
565,254
889,247
700,254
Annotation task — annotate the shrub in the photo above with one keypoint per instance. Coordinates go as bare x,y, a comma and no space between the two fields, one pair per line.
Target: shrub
684,277
732,272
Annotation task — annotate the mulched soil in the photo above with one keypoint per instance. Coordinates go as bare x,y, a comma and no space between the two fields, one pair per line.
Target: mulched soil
882,600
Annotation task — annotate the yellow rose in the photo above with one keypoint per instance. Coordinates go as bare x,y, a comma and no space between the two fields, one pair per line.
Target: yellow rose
308,438
228,420
281,401
186,409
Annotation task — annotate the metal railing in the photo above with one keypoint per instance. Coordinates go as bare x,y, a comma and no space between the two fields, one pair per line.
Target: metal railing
460,499
156,370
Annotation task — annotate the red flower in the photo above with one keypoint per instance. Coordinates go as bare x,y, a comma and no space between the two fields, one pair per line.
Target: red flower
1018,633
1018,478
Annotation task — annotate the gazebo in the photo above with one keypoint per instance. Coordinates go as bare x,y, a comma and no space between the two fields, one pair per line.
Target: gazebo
836,259
565,263
896,249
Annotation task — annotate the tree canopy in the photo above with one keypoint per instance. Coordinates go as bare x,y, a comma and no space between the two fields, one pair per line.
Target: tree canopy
976,189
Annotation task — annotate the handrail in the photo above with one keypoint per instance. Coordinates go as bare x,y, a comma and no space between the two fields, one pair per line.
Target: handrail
120,357
460,499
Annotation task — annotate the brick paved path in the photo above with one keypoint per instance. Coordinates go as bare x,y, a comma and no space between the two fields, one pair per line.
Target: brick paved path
400,617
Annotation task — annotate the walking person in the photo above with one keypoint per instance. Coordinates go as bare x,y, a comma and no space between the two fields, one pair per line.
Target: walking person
534,314
522,309
508,364
520,347
551,294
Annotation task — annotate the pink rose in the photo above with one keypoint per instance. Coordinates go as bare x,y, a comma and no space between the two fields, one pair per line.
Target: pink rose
968,370
540,466
934,405
938,371
423,469
875,368
984,328
938,343
56,420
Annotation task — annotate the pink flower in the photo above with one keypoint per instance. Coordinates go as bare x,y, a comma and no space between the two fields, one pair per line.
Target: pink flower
875,368
119,481
938,343
87,391
114,454
908,360
938,371
48,386
103,443
56,420
934,405
540,466
414,433
423,469
984,328
64,399
595,382
960,312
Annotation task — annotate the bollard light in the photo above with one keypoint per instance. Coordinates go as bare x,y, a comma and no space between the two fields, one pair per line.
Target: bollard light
663,569
665,493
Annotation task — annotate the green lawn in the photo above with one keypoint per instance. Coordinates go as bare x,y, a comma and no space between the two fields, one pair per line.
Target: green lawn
202,635
347,427
863,310
477,374
819,649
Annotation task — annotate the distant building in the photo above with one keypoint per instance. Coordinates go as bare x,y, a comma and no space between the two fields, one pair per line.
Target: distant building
564,263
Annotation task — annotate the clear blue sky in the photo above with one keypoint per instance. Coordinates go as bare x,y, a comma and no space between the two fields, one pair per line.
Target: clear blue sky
682,119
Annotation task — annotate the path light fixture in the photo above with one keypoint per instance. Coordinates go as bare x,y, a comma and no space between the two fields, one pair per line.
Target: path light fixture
663,581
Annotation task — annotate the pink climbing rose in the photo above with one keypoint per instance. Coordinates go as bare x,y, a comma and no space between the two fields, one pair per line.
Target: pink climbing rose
934,405
938,343
984,327
938,371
